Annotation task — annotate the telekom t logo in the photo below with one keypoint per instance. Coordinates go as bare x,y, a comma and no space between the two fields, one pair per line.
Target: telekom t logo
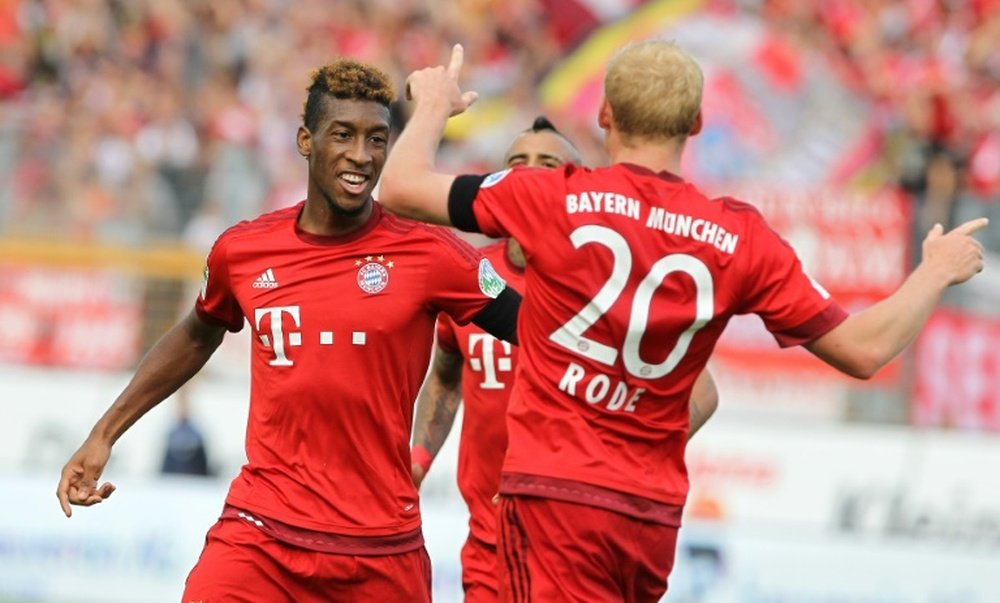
487,362
277,333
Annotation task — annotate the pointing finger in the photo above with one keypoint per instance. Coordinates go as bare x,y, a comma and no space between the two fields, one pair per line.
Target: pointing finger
972,226
455,65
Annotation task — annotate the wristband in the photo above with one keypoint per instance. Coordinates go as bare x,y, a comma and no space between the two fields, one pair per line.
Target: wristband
422,457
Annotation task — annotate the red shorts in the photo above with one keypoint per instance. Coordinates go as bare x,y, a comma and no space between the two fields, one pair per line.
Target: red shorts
479,571
552,551
241,563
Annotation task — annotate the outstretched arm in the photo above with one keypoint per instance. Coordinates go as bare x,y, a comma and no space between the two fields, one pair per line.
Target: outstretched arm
867,340
437,406
174,359
409,186
704,401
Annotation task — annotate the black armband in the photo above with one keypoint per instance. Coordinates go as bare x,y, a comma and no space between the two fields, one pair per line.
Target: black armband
499,317
463,192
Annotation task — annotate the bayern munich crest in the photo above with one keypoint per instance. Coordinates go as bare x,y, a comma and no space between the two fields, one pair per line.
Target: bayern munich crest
373,273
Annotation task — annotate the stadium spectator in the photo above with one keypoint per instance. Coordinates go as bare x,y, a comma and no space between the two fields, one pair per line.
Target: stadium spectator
472,366
341,298
185,452
594,475
165,106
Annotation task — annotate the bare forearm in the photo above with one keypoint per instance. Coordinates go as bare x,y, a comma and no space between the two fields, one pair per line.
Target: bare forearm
436,410
869,339
438,402
895,322
420,139
171,362
865,342
410,186
408,179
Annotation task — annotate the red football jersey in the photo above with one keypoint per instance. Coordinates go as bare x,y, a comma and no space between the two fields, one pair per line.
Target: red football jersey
488,367
342,330
632,276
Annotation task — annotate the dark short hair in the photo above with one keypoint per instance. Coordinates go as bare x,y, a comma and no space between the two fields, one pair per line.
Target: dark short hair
542,123
346,79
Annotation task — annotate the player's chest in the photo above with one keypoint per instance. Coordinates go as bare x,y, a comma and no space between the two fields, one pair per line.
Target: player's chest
373,288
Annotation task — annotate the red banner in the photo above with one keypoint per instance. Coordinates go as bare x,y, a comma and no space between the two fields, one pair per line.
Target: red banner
70,318
958,372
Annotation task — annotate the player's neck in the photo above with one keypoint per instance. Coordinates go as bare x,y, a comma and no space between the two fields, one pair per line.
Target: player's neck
319,219
654,155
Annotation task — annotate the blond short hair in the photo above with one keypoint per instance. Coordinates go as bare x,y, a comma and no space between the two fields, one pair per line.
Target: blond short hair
654,89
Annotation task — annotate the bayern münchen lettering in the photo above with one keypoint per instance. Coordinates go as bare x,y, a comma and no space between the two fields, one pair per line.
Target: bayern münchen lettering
671,223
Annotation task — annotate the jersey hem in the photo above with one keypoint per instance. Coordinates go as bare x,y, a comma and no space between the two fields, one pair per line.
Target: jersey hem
325,542
381,531
639,507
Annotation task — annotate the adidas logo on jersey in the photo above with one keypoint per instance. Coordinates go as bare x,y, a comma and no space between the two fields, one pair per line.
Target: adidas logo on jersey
266,280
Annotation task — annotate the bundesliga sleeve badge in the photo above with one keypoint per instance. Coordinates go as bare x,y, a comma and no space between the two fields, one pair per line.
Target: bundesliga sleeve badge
494,178
373,273
490,283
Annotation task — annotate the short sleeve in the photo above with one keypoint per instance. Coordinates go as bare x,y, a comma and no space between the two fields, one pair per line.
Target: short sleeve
446,337
461,281
518,202
795,308
216,303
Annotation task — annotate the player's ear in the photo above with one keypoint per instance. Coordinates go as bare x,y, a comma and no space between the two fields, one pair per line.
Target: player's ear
698,123
604,115
303,140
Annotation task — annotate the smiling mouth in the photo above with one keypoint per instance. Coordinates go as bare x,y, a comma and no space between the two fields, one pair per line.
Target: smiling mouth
353,182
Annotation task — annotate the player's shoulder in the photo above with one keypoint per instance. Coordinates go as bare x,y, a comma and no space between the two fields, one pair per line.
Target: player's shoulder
431,238
738,205
261,225
749,212
754,222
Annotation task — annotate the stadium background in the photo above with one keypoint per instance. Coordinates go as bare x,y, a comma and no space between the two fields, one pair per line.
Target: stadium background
132,133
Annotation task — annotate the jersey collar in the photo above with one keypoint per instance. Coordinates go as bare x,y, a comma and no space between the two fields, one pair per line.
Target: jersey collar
640,169
315,239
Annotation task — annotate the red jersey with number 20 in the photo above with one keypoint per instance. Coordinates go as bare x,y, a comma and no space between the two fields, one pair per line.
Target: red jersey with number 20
488,368
342,330
631,278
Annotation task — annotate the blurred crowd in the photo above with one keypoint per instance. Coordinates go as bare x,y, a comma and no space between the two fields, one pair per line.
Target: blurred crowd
127,121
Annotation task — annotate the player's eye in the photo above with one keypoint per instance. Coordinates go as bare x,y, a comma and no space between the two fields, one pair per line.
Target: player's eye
341,134
379,141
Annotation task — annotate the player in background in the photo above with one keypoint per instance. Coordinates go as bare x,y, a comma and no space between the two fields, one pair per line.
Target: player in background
474,366
632,274
341,297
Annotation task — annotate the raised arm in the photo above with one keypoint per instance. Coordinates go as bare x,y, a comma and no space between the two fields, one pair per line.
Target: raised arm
409,186
869,339
437,406
174,359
